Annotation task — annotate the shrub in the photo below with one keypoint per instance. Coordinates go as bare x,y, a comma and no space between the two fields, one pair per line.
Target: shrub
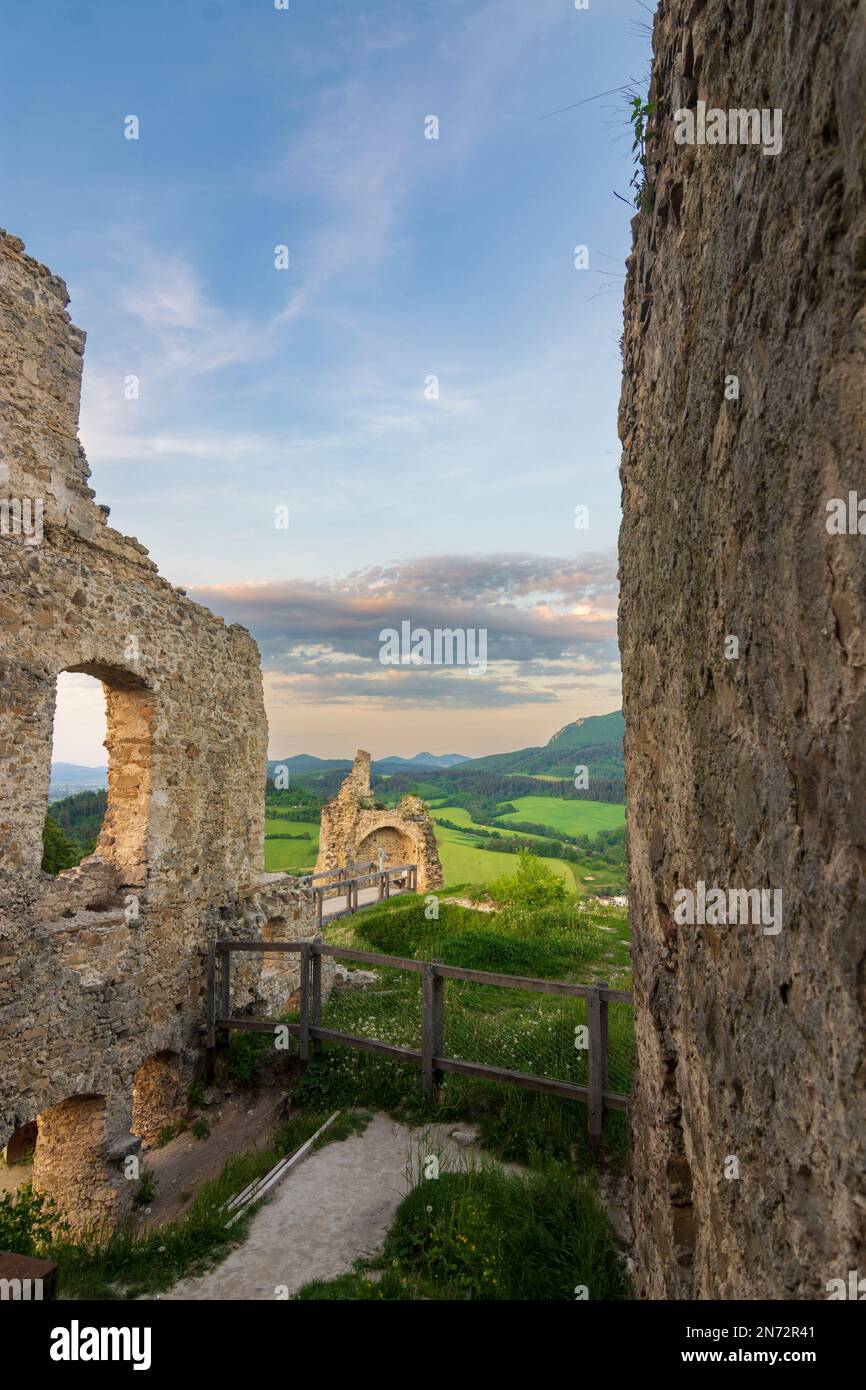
29,1221
534,885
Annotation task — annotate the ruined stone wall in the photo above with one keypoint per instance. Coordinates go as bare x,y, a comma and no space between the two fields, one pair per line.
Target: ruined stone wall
352,830
103,967
746,770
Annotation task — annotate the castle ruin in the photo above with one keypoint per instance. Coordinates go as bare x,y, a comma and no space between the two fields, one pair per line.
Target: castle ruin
102,968
354,831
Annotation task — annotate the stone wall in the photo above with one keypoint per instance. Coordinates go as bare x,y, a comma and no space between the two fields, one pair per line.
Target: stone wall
745,760
352,830
103,967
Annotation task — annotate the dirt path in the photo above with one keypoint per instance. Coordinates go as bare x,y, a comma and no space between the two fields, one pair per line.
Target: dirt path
334,1208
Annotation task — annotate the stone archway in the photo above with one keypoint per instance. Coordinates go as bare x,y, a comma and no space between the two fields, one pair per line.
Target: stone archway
397,845
21,1144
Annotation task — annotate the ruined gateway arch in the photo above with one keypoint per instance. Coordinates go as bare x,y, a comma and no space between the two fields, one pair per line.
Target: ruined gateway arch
353,830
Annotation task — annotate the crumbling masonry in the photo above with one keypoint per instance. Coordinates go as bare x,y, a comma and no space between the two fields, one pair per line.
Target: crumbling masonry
353,831
102,970
746,760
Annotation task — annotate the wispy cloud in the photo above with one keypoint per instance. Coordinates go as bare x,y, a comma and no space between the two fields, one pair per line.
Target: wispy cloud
549,623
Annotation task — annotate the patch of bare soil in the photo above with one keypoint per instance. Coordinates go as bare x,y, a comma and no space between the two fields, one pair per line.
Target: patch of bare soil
237,1124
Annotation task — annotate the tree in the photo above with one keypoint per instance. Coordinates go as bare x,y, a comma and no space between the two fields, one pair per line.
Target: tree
533,885
57,851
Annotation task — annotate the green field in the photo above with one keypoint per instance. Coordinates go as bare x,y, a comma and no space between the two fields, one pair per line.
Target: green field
292,855
568,817
463,862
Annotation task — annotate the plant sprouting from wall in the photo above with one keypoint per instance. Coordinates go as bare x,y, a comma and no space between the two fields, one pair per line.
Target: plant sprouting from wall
640,118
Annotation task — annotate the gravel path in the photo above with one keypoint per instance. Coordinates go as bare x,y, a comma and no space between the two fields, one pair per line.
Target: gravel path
334,1208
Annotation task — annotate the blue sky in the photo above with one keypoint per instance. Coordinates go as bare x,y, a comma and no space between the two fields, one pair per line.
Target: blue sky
305,387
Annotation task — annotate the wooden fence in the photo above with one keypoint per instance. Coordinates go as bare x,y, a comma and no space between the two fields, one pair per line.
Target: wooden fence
431,1058
347,881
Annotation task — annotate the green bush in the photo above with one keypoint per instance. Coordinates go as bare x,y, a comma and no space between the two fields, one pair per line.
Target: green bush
534,885
29,1221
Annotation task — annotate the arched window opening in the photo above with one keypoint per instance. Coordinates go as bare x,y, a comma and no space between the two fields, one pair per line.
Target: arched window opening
100,806
78,793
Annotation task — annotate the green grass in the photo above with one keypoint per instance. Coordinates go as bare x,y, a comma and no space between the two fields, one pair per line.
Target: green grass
522,1030
569,817
290,855
488,1235
464,862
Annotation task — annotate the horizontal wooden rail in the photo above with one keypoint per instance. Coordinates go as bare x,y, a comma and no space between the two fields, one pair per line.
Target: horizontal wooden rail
432,1057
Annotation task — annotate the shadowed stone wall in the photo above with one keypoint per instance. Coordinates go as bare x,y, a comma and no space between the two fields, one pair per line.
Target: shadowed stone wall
745,759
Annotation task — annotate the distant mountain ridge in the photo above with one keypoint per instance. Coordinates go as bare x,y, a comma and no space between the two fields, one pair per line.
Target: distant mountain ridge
306,762
69,778
594,742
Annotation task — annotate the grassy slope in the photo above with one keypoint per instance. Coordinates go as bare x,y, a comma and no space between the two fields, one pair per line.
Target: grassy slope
463,863
290,854
571,817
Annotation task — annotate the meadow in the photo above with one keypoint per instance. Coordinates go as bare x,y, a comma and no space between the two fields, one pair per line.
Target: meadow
464,860
292,856
567,817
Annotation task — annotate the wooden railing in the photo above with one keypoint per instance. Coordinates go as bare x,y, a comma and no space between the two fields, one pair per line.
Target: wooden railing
431,1057
348,881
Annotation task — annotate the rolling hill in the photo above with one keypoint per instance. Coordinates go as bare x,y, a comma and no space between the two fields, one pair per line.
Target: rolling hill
595,742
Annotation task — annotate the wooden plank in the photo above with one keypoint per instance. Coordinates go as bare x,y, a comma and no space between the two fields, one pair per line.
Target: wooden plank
406,1054
513,1078
227,947
226,985
258,1189
316,1010
427,987
210,1035
305,1002
38,1277
595,1117
210,1039
255,1025
371,957
438,1021
601,986
489,977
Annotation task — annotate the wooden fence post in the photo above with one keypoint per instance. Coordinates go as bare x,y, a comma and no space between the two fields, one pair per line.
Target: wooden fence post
427,1015
226,985
305,1002
438,1021
210,1038
603,1019
320,894
432,1025
316,959
597,1053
